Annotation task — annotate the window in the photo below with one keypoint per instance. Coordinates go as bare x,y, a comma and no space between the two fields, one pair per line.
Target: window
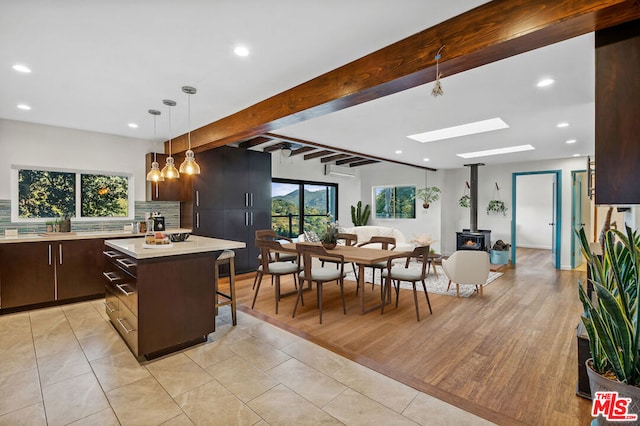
319,203
43,194
395,202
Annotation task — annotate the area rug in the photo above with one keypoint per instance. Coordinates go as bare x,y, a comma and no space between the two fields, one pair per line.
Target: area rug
436,285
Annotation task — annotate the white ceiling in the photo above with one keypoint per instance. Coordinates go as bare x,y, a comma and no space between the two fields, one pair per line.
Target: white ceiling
100,65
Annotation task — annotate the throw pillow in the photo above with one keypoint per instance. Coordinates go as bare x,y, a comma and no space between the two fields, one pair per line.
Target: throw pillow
311,236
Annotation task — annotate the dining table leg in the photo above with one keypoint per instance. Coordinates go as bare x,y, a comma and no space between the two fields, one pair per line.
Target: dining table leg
361,287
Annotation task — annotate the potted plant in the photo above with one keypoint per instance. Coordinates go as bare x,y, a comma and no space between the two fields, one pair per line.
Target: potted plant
360,216
57,224
465,201
497,206
49,225
428,195
612,319
330,238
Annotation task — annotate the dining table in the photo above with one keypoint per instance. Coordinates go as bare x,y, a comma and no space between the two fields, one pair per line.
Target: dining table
360,256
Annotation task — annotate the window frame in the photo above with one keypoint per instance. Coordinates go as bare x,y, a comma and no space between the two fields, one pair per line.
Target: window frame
394,187
301,184
78,194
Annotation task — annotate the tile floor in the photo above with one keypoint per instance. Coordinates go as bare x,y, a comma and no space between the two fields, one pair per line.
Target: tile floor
67,365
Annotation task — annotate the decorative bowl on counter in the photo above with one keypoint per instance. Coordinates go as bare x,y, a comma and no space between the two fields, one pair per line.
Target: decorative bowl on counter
178,236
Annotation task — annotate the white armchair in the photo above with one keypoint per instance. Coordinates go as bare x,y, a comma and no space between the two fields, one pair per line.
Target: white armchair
467,267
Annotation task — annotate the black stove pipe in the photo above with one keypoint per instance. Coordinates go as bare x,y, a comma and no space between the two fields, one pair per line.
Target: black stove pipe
473,195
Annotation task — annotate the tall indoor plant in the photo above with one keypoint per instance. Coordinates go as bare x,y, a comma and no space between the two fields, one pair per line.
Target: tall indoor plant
612,319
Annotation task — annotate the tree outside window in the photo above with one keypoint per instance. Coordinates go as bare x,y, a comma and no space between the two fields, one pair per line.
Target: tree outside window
395,202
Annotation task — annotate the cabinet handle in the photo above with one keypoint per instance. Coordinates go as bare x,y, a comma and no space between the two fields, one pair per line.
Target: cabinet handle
111,276
127,263
60,252
49,254
246,199
251,199
110,253
198,220
246,218
124,327
197,198
251,218
109,308
121,288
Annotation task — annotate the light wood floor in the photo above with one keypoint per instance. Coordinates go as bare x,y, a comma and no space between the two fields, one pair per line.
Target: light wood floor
509,357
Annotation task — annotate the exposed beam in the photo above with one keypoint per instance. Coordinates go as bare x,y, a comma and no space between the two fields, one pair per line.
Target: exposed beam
254,142
302,150
363,163
274,147
334,158
317,154
493,31
345,151
349,160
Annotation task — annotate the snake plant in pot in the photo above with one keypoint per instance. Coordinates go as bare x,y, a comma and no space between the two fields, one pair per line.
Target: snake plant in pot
612,319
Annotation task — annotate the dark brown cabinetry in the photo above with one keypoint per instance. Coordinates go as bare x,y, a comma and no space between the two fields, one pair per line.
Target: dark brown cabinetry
169,189
617,128
44,272
232,198
27,274
161,303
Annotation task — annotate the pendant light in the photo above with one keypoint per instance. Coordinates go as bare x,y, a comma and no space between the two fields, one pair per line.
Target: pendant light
154,174
189,165
169,171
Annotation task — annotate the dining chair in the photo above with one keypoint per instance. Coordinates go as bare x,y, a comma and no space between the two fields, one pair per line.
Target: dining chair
384,243
318,275
274,269
412,275
467,267
270,234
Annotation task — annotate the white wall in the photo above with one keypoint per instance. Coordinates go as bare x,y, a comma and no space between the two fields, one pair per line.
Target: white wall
534,211
37,145
427,221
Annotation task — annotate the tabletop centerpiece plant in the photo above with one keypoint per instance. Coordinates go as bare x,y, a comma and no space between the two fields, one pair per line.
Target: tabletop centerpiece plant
330,238
612,319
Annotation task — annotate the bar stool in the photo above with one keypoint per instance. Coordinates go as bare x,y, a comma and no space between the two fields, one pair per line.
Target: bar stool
227,257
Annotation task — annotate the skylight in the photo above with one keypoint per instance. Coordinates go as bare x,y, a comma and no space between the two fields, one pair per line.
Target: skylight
461,130
498,151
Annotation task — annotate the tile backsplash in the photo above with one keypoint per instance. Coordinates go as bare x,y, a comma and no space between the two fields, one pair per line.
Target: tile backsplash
169,209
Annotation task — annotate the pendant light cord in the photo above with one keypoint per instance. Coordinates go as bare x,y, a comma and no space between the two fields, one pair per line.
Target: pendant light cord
189,118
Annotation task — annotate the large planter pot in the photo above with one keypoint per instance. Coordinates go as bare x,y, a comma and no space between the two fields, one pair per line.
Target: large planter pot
499,257
600,383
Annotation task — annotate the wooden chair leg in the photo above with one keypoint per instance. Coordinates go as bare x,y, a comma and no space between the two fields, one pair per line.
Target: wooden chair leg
255,294
277,292
299,297
232,292
319,291
449,286
415,300
344,306
426,294
457,290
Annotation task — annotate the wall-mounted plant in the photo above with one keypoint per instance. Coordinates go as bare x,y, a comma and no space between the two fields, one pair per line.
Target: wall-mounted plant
465,201
497,206
428,195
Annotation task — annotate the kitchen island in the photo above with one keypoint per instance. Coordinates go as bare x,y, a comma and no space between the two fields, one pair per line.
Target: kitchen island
161,299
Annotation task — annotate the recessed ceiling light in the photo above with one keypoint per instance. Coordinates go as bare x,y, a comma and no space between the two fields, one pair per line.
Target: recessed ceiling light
398,152
571,141
545,82
133,125
576,155
563,124
241,51
425,159
507,150
461,130
24,107
22,68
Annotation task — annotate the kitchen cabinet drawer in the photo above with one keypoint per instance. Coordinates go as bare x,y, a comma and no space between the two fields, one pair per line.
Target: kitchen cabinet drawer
111,303
127,293
127,325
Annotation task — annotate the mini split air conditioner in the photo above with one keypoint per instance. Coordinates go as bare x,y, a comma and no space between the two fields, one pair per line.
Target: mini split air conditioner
333,170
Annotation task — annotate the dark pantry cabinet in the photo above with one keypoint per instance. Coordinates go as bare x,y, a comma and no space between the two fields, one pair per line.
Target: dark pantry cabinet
232,198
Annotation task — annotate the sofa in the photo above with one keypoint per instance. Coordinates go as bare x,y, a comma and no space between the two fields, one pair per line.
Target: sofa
365,233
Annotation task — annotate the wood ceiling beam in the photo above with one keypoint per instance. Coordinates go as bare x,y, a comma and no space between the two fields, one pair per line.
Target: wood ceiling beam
493,31
363,163
317,154
334,158
349,160
302,150
274,147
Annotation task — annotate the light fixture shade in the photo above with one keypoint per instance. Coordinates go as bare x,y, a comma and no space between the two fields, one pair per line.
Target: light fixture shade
169,171
285,152
155,175
189,165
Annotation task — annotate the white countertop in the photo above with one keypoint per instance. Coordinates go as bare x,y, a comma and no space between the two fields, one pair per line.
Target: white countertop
134,247
80,235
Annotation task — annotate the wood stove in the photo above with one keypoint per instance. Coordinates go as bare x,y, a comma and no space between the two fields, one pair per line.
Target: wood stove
469,240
